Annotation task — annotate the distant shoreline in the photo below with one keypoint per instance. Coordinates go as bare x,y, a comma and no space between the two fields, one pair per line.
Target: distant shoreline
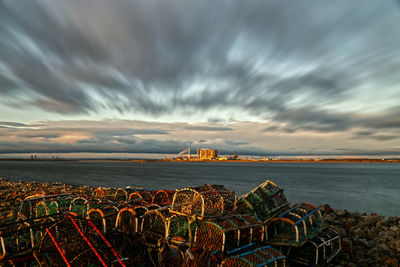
351,160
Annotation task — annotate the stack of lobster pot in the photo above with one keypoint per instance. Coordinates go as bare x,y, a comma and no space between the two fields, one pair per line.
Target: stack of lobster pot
206,229
194,226
297,229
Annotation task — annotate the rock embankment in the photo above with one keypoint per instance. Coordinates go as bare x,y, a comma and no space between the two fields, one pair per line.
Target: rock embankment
367,240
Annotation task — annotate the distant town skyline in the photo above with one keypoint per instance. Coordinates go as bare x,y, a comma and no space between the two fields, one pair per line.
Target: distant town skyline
258,76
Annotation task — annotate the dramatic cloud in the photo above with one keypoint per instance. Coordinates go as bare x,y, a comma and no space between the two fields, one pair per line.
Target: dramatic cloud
125,136
285,69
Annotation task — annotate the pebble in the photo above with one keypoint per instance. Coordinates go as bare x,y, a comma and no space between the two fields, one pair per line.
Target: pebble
374,240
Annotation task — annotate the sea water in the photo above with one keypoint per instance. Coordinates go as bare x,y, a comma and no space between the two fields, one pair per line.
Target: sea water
360,187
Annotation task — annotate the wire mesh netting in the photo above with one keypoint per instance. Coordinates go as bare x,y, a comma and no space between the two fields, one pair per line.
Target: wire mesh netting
263,256
103,192
76,242
121,194
144,195
21,237
319,250
265,201
229,232
213,202
188,202
163,197
104,217
228,196
192,202
295,226
172,254
154,221
127,221
180,230
30,204
79,206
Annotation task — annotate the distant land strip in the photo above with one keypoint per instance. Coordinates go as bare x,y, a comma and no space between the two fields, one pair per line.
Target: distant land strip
333,160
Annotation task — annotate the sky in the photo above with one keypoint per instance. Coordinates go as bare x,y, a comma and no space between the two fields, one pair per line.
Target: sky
151,76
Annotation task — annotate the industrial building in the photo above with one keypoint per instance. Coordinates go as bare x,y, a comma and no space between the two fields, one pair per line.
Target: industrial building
207,154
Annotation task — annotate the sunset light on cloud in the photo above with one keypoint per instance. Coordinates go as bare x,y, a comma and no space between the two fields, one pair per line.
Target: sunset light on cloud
258,77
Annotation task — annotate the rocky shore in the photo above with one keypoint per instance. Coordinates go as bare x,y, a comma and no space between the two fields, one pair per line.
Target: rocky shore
367,239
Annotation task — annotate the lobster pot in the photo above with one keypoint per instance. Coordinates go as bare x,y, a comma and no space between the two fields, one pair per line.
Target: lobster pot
102,192
154,228
121,195
163,197
213,203
140,198
15,241
213,200
180,230
93,203
76,242
294,226
59,205
127,221
144,195
228,196
41,209
190,202
104,218
98,193
52,206
141,210
309,216
227,233
187,202
317,251
21,237
172,254
264,256
251,229
154,221
213,236
147,195
29,204
265,201
79,206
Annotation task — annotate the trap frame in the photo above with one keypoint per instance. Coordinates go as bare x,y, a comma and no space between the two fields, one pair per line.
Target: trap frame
265,201
28,206
79,206
163,197
121,194
74,241
103,192
22,237
295,226
220,191
200,203
228,232
104,217
127,221
319,250
262,256
145,195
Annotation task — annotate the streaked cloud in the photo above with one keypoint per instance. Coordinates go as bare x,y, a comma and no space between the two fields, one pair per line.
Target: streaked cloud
128,136
283,71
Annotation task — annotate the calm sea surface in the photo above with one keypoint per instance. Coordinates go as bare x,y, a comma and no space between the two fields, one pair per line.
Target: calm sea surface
362,187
